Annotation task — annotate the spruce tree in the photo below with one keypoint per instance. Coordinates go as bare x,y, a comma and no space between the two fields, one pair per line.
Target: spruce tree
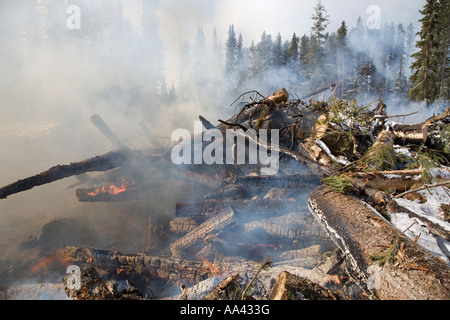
230,52
444,50
425,77
320,18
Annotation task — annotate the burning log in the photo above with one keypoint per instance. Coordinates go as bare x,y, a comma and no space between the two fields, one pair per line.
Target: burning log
166,268
291,287
402,270
110,193
103,162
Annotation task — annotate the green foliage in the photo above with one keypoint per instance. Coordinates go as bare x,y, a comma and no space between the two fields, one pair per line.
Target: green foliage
430,72
426,160
378,158
339,183
387,256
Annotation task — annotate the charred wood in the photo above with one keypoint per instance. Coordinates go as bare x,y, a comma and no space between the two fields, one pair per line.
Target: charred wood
241,208
195,238
166,268
224,289
92,287
104,195
291,287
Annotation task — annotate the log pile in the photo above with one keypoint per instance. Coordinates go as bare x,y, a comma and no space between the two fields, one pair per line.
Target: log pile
341,172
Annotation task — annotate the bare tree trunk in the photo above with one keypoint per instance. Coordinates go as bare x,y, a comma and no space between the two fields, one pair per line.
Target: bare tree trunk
385,261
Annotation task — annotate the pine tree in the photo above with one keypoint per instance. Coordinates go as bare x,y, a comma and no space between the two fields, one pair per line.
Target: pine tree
424,77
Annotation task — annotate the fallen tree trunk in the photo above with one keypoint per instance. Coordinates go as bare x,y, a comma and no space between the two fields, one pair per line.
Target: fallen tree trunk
103,162
386,262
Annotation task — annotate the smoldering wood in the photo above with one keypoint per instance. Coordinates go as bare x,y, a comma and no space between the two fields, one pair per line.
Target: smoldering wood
103,162
93,195
92,287
294,227
167,268
289,286
107,132
182,225
241,187
213,225
303,180
241,208
224,289
362,234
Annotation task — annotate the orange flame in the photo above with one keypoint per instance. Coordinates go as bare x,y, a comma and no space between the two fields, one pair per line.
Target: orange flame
46,263
213,270
119,271
112,189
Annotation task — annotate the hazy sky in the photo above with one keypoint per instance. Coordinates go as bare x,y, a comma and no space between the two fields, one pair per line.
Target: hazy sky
180,19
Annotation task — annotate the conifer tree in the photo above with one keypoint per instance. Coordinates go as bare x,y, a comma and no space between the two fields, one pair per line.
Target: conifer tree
425,76
230,52
444,50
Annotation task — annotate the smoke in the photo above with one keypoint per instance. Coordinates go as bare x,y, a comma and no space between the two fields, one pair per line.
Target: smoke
121,63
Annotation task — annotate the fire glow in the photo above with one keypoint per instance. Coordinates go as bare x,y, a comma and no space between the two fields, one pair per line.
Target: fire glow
112,189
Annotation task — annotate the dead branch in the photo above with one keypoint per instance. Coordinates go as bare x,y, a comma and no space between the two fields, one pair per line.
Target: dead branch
104,128
103,162
427,186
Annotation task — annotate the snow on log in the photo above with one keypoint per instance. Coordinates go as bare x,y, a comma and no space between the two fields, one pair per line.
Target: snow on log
386,262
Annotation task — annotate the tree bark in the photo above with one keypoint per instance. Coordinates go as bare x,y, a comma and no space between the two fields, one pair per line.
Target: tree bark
410,273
